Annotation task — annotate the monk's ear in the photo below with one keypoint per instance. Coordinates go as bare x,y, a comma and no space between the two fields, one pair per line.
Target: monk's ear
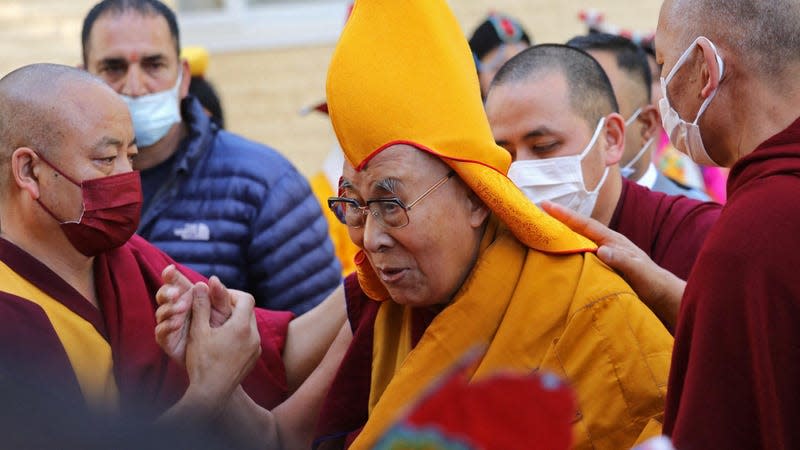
650,118
478,212
25,171
710,69
614,138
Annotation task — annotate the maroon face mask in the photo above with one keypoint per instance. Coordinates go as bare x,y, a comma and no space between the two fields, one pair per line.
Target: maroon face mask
111,210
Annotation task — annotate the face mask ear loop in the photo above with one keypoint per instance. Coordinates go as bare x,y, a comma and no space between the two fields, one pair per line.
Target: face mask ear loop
586,152
68,178
599,184
593,140
707,101
681,61
633,117
641,153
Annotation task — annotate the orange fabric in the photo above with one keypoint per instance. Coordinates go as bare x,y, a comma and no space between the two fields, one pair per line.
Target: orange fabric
567,314
403,73
88,351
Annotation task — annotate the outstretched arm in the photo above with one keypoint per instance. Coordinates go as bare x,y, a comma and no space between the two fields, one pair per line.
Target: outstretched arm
292,423
307,340
310,335
658,288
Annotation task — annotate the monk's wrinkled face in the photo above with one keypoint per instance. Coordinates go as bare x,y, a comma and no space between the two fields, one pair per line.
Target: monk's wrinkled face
425,262
97,141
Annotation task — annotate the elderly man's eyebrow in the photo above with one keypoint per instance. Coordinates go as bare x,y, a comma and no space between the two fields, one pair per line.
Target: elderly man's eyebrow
106,142
345,184
389,185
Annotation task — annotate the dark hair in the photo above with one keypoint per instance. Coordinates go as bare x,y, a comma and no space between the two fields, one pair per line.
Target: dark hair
497,29
590,91
204,91
630,57
143,7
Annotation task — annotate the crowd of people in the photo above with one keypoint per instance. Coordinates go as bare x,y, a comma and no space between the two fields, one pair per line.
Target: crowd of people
492,257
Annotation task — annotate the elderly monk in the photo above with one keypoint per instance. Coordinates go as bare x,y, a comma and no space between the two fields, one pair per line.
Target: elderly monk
455,256
731,94
78,289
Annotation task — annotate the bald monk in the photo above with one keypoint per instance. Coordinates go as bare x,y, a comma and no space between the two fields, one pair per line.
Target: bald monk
78,288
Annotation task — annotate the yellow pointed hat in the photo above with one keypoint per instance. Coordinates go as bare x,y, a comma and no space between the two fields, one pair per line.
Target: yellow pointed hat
402,72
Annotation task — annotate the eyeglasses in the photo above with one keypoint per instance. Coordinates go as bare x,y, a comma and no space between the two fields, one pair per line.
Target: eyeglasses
390,212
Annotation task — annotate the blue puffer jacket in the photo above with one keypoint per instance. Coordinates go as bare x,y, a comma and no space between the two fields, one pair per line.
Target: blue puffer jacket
239,210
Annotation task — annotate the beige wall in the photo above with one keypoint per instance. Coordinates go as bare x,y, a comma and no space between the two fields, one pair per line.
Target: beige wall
262,91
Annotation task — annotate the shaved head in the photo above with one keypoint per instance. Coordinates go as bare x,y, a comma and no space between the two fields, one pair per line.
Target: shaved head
590,93
630,58
34,110
764,32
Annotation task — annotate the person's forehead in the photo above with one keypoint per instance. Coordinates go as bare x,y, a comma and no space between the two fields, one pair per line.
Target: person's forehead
541,100
92,111
401,162
130,34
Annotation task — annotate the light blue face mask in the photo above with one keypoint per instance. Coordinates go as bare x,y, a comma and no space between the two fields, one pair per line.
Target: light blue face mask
154,114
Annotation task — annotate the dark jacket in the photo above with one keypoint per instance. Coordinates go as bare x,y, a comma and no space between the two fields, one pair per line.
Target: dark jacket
237,209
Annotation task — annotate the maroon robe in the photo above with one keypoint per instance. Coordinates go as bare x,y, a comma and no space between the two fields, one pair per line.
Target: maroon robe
669,228
345,410
735,375
126,280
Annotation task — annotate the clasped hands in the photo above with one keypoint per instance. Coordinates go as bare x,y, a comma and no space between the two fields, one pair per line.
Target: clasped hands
212,331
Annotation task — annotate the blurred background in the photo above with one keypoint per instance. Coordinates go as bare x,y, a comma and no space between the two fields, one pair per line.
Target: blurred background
268,58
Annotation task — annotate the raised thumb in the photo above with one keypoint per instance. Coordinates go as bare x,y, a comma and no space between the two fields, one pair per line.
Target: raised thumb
201,307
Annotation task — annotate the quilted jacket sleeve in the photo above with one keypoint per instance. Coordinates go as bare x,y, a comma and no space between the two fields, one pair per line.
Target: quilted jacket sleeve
291,262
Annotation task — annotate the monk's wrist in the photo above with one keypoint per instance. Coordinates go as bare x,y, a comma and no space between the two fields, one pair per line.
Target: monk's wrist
203,404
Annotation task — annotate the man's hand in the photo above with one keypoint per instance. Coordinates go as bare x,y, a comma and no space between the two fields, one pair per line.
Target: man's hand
174,313
658,288
218,358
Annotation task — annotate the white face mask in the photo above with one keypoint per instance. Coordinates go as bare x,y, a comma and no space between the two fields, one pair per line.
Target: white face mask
559,180
686,136
154,114
627,170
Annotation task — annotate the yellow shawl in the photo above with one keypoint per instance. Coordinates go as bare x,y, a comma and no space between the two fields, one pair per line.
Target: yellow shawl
567,314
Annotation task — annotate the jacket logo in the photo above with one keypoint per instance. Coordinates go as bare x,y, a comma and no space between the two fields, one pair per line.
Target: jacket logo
193,232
